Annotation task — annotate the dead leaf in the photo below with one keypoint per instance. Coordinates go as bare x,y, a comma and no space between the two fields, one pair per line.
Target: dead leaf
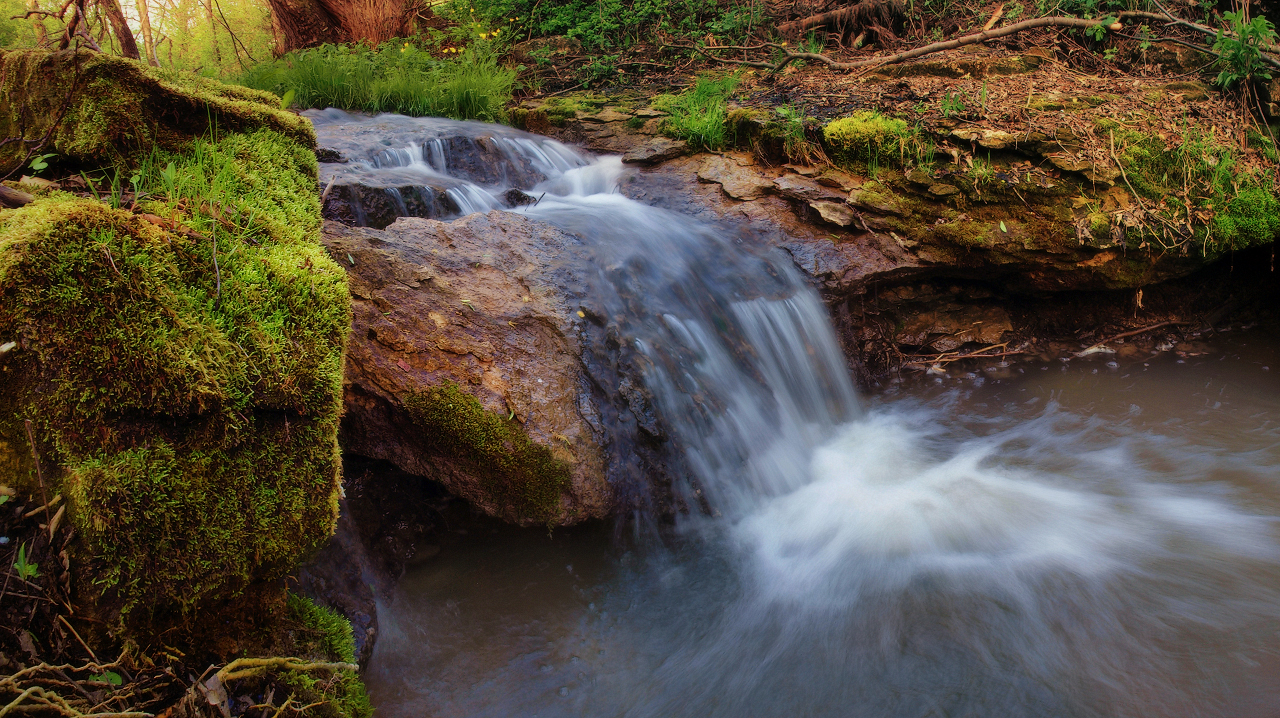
216,694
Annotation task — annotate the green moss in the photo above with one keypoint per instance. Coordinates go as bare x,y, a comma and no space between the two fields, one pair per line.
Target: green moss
869,139
323,635
1100,225
965,233
338,696
1235,207
193,410
328,634
561,109
1249,218
122,108
520,476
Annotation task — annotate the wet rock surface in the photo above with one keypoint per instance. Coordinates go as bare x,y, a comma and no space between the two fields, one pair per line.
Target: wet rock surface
485,304
375,169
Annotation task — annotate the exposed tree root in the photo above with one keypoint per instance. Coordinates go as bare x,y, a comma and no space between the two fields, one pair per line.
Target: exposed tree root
875,16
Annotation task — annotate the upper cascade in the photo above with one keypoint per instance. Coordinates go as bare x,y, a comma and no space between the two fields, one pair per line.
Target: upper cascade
387,166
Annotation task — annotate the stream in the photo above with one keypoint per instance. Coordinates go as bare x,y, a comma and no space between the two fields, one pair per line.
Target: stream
1083,538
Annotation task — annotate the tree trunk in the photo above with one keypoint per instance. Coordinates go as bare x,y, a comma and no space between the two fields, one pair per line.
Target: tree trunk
148,45
299,24
42,34
302,23
371,21
213,32
119,26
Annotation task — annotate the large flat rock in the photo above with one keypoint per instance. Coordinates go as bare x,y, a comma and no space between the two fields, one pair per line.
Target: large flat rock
465,363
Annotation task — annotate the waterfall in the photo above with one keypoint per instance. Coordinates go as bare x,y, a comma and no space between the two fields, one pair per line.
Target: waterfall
738,353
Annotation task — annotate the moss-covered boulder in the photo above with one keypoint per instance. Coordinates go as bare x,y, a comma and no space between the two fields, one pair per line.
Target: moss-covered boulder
102,108
466,364
181,368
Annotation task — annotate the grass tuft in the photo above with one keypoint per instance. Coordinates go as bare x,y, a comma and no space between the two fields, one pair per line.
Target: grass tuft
698,114
397,77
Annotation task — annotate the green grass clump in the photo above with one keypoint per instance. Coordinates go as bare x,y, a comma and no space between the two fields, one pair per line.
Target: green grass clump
397,77
868,139
191,404
522,479
698,114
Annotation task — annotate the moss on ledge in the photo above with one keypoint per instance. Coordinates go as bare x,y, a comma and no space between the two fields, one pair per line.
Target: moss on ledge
868,138
521,476
112,109
190,407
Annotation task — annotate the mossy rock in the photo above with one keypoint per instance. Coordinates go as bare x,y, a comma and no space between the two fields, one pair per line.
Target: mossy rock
868,138
105,109
187,409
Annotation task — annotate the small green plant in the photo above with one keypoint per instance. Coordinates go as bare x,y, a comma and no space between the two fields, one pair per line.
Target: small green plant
1144,33
981,172
1099,31
1240,52
795,143
1110,53
604,67
286,100
40,162
108,677
812,44
951,104
26,571
168,180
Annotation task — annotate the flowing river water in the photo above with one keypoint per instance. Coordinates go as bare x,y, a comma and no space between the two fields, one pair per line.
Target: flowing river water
1067,539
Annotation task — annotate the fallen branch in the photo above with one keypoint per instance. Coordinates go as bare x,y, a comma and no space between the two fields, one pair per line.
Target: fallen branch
979,354
248,667
1134,333
12,198
1168,18
974,39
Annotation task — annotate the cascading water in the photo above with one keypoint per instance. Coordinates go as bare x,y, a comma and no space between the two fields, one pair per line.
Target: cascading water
1062,543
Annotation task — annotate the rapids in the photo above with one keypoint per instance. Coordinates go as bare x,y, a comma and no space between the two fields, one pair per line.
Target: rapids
1067,540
